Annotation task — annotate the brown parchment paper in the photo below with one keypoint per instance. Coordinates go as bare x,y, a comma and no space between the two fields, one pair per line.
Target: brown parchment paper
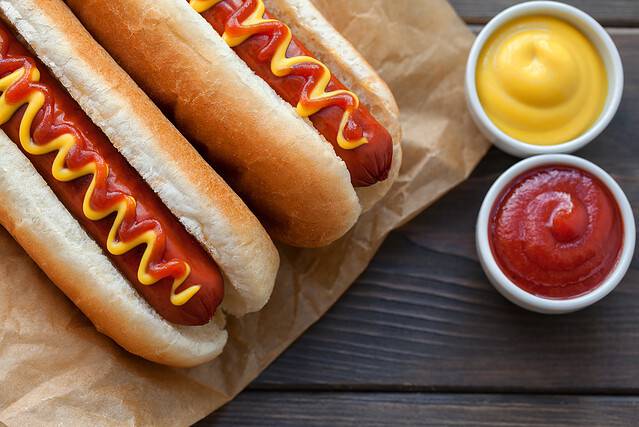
56,369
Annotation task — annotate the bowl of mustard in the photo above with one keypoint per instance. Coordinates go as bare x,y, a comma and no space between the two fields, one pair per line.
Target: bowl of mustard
543,77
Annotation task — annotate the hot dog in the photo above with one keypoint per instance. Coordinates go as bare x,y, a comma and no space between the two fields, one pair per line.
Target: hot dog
300,146
199,294
94,181
358,139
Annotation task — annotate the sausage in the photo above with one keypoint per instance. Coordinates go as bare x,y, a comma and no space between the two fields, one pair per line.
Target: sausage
368,163
174,252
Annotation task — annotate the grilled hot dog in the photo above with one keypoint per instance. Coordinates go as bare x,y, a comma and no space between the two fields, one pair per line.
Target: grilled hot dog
366,146
175,256
113,204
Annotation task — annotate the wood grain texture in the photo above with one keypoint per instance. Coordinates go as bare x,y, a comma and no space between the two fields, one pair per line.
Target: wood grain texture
424,317
411,409
617,13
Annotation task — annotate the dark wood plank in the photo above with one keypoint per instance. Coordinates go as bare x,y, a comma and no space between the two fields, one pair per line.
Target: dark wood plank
620,13
424,317
409,409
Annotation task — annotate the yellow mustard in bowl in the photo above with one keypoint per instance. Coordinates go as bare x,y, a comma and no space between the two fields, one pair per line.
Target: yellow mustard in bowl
541,80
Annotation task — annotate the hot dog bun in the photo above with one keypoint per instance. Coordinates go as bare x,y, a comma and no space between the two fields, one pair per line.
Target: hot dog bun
199,198
286,171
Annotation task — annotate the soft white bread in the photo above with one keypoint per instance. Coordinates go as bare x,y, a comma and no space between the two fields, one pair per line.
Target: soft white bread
285,170
197,196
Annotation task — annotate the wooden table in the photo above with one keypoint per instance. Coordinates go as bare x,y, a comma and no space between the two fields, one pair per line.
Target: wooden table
423,338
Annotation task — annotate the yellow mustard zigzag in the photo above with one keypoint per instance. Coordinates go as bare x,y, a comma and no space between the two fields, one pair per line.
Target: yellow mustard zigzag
282,66
64,143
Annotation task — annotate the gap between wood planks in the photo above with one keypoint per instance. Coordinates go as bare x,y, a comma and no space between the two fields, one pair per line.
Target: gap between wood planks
380,409
437,390
610,13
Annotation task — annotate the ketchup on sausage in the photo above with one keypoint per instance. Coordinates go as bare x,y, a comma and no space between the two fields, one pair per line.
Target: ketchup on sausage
368,163
60,115
556,232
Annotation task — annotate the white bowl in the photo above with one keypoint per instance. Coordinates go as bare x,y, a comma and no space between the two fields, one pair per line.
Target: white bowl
589,27
527,300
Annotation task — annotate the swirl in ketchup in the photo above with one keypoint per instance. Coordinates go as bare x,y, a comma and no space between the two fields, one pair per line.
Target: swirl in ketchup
556,232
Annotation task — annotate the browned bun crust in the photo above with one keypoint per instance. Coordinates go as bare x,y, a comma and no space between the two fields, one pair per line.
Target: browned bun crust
197,196
287,172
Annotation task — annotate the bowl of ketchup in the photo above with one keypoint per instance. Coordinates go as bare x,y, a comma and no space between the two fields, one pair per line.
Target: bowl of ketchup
555,234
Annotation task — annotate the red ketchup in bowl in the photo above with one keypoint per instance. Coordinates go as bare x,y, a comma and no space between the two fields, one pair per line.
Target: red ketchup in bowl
556,232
